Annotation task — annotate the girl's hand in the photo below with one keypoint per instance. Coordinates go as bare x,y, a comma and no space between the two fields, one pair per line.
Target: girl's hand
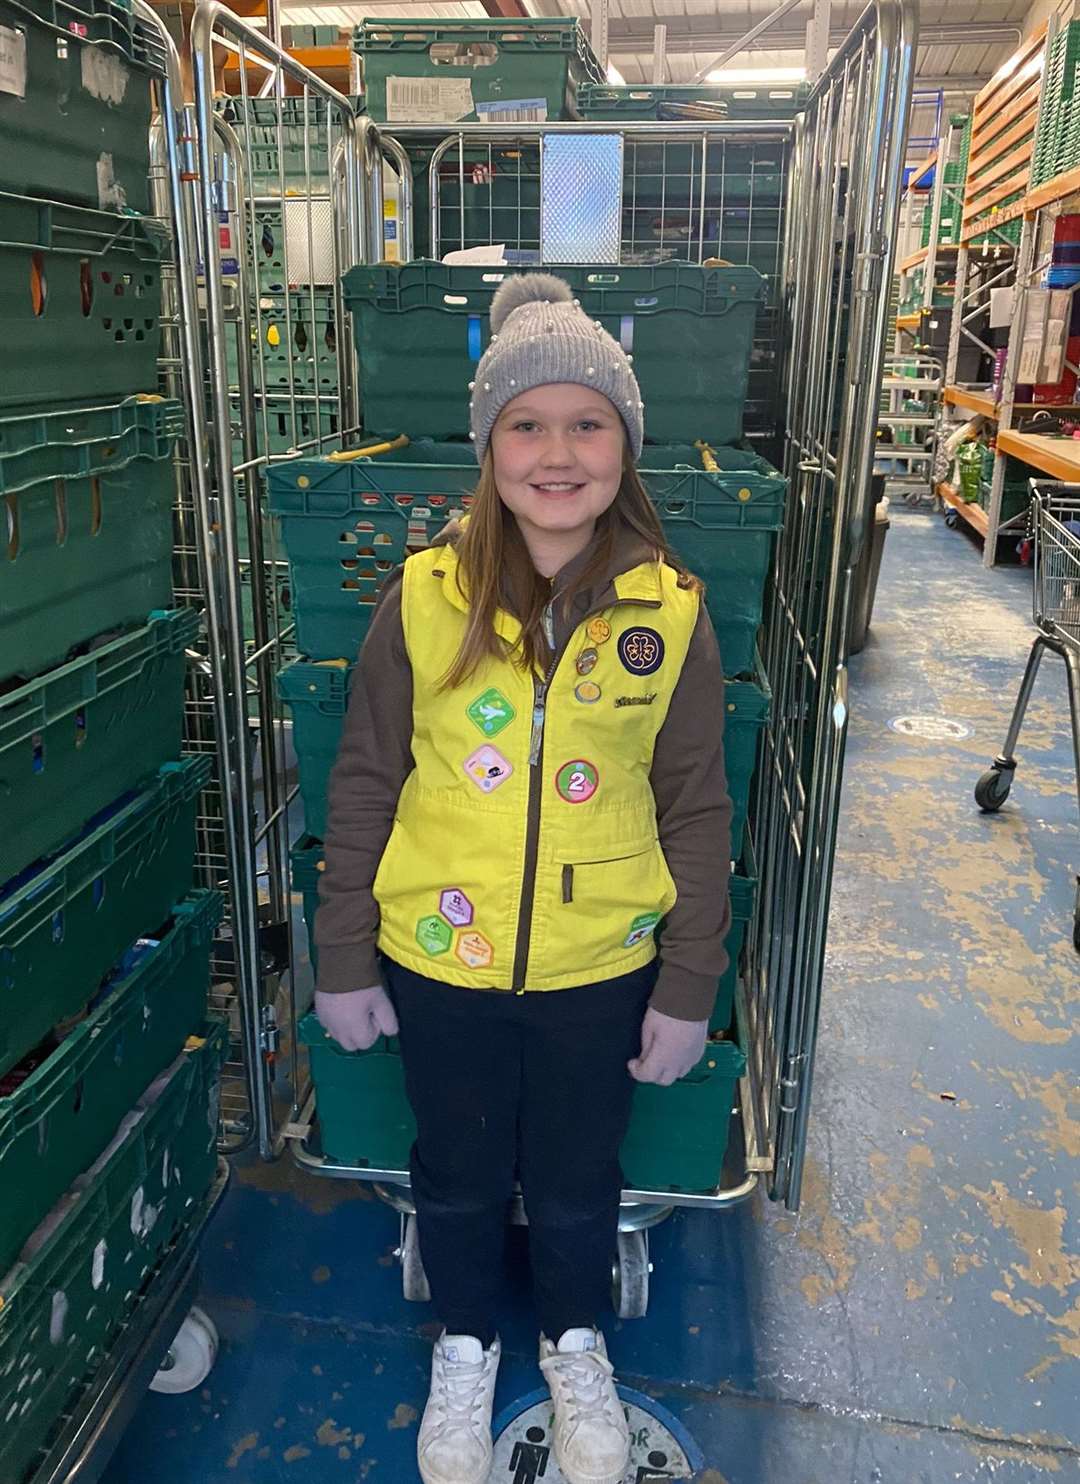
357,1018
669,1048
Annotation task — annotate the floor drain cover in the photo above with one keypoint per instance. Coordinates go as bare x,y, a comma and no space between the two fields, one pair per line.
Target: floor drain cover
936,728
660,1449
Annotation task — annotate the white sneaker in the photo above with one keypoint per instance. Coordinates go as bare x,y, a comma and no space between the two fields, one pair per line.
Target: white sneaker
455,1445
592,1437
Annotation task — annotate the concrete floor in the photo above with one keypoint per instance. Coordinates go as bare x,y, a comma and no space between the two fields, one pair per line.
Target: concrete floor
919,1320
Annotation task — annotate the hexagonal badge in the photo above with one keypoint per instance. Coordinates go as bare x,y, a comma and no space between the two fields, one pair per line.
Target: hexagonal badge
474,950
456,907
434,935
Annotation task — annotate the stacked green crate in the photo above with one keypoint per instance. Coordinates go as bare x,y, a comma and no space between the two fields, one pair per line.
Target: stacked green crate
104,946
656,102
286,141
443,71
1057,144
952,205
1016,491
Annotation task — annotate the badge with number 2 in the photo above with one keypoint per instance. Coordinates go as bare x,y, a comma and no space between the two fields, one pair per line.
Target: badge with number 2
577,781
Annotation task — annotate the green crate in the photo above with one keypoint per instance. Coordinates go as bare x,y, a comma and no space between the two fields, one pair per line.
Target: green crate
85,552
78,737
306,860
256,123
607,103
421,327
83,1273
80,301
56,1122
62,927
743,890
748,704
678,1135
75,124
364,1116
518,71
376,509
317,695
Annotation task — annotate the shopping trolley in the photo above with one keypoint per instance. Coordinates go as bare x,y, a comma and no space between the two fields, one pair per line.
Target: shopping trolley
1055,532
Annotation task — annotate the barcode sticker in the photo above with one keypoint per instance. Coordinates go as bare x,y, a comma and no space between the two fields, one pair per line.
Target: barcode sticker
12,61
514,111
427,100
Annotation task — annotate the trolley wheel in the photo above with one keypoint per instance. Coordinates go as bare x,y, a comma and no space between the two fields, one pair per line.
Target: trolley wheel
952,518
191,1356
1076,919
630,1276
992,789
414,1283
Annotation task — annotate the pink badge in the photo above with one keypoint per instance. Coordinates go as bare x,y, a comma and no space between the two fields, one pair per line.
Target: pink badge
487,768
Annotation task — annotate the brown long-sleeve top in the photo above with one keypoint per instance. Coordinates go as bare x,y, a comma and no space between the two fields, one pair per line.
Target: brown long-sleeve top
688,780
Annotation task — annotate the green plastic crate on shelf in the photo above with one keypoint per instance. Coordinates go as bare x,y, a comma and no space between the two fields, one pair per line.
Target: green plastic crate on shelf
1016,491
76,738
85,552
421,327
80,301
507,72
657,102
86,1269
256,124
317,695
75,118
376,509
64,925
56,1122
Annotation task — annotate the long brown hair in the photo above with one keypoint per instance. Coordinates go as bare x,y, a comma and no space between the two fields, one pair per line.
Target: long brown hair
495,570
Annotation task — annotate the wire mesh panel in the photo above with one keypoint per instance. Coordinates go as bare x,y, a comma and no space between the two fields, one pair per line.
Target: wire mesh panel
686,196
841,239
1057,562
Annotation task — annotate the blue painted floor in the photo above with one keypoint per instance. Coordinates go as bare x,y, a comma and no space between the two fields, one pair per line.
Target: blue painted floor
919,1321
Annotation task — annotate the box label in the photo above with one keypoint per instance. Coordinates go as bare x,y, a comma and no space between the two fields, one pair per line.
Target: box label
427,100
12,61
514,111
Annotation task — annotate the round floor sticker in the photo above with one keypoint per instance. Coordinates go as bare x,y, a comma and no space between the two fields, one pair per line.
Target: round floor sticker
933,728
577,781
660,1448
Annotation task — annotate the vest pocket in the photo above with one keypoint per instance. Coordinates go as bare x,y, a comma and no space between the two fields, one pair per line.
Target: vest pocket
638,880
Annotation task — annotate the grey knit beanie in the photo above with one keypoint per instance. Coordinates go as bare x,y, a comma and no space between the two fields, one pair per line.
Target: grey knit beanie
541,335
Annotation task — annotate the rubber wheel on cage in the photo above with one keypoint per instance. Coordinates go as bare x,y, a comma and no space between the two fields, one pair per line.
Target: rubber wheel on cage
630,1276
992,790
952,518
414,1283
190,1358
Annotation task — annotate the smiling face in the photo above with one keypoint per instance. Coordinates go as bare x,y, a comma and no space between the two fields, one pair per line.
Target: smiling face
558,455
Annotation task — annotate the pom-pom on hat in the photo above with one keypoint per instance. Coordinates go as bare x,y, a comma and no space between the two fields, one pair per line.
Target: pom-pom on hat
540,335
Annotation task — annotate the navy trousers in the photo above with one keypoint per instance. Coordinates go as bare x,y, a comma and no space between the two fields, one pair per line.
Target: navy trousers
532,1087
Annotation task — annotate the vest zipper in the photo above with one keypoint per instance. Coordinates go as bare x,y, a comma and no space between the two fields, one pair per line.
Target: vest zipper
536,784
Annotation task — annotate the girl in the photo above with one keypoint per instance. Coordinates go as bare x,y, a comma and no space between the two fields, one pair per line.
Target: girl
531,780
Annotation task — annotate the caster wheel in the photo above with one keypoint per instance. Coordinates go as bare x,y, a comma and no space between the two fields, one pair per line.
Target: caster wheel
952,519
191,1356
630,1277
1076,919
992,789
414,1283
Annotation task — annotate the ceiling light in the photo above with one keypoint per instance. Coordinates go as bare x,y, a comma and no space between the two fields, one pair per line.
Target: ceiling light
762,76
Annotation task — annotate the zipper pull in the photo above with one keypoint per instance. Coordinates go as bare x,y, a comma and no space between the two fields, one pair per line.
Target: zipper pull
537,728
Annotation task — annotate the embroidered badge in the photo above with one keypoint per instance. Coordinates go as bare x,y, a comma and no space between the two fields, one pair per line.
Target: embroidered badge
641,651
586,661
588,691
491,712
456,907
434,935
577,781
641,928
474,951
598,630
487,768
645,700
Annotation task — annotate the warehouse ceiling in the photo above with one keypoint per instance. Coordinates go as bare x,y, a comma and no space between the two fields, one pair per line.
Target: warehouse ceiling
963,41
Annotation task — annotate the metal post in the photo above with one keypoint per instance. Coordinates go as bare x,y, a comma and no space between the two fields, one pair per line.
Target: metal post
600,10
659,54
817,39
957,316
1025,257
